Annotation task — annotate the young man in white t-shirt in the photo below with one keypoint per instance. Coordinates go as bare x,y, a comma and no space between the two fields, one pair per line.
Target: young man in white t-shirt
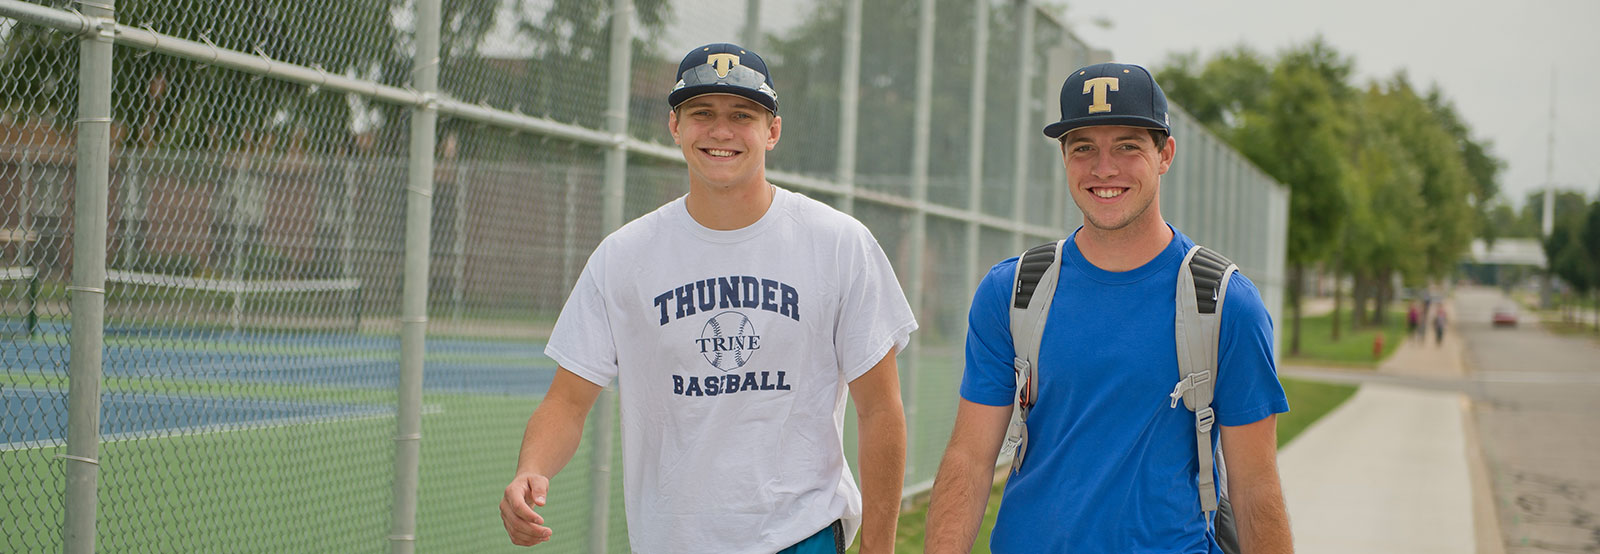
734,320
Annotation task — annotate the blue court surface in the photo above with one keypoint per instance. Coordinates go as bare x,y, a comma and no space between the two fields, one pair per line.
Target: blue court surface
38,417
452,365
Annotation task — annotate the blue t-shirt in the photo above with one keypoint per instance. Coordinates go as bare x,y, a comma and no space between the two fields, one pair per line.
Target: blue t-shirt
1110,466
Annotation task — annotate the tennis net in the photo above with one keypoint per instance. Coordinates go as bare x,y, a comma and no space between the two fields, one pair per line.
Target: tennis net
19,300
138,299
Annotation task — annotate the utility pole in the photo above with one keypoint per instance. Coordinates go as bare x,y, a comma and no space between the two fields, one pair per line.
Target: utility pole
1550,165
1548,222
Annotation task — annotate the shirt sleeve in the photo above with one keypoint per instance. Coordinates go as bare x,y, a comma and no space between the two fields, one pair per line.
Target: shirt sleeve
989,377
582,341
1247,382
873,313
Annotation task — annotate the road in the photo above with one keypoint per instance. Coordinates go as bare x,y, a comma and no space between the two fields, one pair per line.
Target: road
1536,398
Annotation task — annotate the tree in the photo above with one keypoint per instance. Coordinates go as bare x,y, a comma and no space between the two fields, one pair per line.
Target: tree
184,104
1384,230
1447,217
1298,137
1567,204
1568,257
1482,168
1383,180
1504,221
193,106
1219,93
1589,239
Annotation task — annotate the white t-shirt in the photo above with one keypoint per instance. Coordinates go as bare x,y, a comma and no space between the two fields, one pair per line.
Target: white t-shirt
732,351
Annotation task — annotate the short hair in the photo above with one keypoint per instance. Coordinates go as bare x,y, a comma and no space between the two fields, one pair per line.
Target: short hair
678,111
1160,138
1157,136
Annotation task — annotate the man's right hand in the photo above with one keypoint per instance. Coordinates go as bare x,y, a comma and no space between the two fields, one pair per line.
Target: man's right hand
525,527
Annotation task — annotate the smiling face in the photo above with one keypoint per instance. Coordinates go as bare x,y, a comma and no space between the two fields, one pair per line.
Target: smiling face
725,139
1114,174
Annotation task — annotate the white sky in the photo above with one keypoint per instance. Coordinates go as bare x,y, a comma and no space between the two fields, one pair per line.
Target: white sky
1492,59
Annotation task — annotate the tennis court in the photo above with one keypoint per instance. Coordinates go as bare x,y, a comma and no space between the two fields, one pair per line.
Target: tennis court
140,415
315,359
302,419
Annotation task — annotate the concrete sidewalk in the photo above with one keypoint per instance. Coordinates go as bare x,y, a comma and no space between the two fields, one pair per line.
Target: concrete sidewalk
1394,469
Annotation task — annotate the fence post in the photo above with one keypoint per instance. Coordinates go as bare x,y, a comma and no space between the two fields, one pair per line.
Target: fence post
347,241
241,191
921,128
414,290
975,122
849,101
605,408
752,25
1024,123
458,277
25,209
88,293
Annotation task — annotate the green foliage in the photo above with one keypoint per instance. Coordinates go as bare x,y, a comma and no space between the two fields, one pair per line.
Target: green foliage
1573,249
159,94
1218,93
1381,234
1482,168
1591,233
1566,205
1298,136
1383,179
165,101
1503,221
1441,227
1289,117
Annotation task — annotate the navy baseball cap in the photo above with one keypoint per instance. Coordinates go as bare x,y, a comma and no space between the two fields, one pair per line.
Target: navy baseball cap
724,68
1111,94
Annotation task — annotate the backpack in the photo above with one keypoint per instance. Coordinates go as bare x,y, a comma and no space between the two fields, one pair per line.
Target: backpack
1202,286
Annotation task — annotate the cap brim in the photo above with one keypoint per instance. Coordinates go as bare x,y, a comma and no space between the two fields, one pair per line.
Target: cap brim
684,94
1059,128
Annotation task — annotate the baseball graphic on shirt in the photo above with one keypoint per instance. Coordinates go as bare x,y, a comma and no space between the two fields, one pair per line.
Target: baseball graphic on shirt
728,341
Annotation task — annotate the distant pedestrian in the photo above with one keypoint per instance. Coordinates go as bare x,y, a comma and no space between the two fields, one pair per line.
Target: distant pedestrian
1438,324
1414,320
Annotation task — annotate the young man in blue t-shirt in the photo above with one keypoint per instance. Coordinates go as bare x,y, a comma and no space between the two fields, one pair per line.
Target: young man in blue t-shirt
1111,466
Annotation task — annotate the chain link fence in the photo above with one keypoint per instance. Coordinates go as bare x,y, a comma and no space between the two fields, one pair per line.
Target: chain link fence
303,337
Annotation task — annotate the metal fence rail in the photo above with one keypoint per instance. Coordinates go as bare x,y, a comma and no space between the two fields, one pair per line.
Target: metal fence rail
276,275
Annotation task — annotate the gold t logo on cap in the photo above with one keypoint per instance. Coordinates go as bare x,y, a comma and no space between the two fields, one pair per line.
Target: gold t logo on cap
1099,85
725,62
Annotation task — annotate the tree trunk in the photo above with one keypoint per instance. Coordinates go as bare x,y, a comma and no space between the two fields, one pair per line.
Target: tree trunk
1296,279
1358,300
1385,286
1338,297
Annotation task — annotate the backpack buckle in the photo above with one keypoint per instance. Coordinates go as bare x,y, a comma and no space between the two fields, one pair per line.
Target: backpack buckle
1188,383
1024,375
1016,434
1204,419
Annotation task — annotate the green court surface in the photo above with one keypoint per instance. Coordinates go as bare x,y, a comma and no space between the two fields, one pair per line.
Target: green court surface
311,487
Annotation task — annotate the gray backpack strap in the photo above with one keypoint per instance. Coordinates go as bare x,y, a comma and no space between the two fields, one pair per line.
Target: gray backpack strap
1202,287
1038,270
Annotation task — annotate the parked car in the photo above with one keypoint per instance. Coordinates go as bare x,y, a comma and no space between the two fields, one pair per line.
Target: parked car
1505,315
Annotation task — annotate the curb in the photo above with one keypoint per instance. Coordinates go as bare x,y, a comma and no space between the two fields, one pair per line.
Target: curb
1487,534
